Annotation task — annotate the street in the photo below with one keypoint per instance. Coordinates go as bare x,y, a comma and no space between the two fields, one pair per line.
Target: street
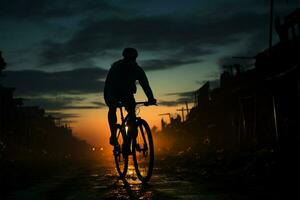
95,181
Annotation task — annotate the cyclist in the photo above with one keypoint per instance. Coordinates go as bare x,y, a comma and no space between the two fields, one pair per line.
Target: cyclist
120,86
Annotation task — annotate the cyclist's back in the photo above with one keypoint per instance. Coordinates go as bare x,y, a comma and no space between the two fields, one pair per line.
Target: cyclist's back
120,85
121,79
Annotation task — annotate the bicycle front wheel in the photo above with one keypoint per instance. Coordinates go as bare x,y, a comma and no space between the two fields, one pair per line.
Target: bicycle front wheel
120,154
143,152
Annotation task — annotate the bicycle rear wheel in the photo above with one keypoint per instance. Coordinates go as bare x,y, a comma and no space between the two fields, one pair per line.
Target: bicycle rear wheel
143,152
120,154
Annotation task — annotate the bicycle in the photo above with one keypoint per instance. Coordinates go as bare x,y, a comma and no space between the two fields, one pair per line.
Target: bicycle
139,146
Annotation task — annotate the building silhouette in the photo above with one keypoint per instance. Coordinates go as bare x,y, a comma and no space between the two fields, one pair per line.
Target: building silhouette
252,109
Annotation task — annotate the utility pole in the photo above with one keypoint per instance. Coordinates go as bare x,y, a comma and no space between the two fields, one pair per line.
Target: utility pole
271,24
169,114
182,111
187,107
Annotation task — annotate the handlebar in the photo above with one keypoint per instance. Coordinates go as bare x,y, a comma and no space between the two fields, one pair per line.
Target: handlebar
145,103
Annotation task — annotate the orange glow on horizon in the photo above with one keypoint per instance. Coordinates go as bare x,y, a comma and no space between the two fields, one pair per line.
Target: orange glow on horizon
93,126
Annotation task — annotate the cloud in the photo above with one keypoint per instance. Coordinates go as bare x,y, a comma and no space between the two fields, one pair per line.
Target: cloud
176,102
77,81
182,97
62,103
95,28
182,94
81,107
63,90
45,10
156,34
52,103
63,115
161,64
183,56
168,103
99,104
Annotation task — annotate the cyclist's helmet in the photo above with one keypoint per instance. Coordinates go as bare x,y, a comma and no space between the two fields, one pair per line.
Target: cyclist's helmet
130,53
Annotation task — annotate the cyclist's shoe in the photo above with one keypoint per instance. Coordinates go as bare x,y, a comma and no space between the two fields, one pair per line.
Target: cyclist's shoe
151,101
113,141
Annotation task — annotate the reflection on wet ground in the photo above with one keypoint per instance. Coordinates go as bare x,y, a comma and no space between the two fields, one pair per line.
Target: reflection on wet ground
97,181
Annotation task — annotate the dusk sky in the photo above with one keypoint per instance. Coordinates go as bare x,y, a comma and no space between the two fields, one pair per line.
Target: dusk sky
59,51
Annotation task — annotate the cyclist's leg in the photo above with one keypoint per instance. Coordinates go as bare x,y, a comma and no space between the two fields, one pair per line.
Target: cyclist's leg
111,101
112,120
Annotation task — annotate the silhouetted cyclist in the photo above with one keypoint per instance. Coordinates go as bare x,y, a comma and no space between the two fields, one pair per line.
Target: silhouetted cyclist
120,86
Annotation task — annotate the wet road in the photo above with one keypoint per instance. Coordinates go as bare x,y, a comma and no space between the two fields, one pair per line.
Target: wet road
100,181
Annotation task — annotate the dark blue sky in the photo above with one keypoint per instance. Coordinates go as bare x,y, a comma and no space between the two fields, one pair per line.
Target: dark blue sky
59,51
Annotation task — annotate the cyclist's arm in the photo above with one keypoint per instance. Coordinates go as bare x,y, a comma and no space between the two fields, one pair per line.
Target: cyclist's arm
107,81
143,80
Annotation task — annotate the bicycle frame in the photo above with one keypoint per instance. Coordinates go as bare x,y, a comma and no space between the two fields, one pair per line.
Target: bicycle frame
132,145
125,119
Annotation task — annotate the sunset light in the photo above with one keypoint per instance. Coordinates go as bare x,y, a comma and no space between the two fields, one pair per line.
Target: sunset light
139,99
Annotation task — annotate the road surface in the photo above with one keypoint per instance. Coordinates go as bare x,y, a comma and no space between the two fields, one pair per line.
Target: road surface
94,181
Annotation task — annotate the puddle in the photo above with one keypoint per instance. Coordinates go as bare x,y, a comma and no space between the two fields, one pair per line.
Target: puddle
94,175
100,187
